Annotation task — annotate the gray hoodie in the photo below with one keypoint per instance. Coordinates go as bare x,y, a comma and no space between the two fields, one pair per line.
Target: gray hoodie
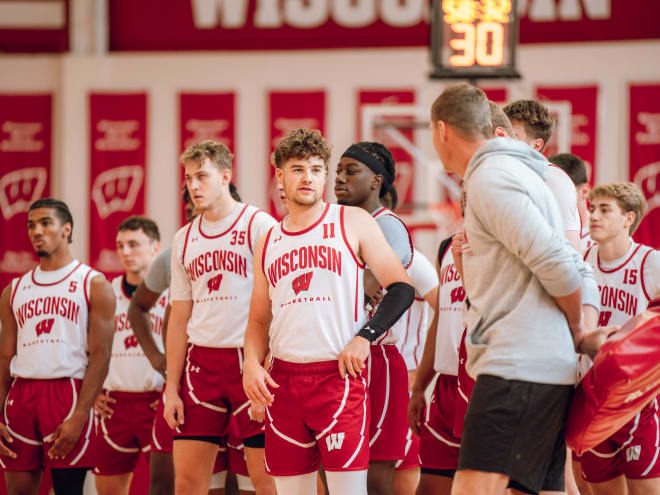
517,259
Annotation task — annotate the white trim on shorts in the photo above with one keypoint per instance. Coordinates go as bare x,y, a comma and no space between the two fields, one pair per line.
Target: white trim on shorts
118,448
364,422
284,437
339,410
13,433
657,439
190,391
430,428
387,397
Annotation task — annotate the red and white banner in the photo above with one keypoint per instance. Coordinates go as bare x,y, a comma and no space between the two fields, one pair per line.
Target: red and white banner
311,24
25,168
207,117
290,110
497,95
584,109
405,165
34,26
118,170
645,156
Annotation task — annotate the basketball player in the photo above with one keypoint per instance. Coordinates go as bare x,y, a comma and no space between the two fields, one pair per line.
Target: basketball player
412,328
628,276
517,275
126,407
532,124
308,291
211,283
57,329
365,173
577,171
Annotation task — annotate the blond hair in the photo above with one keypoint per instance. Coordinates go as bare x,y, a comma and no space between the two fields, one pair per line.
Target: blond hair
217,153
628,196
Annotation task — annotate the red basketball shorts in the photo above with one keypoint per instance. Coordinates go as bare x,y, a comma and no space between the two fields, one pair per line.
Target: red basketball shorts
122,437
316,415
411,458
33,410
236,450
387,377
465,386
161,433
438,447
212,390
632,451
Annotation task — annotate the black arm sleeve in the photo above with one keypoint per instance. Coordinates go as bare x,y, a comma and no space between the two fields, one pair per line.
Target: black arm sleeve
398,299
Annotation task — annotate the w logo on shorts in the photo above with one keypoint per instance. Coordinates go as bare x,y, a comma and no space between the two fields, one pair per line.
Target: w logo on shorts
633,453
45,326
302,282
214,283
334,441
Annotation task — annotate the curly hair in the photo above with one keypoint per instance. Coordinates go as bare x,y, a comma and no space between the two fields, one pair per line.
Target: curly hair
535,117
301,144
628,196
218,153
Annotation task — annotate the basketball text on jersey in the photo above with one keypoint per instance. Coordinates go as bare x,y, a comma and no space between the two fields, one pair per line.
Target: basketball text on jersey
49,305
323,257
215,261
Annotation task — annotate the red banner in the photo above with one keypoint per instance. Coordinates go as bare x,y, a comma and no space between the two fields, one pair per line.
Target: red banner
645,156
584,105
28,26
311,24
118,169
405,165
290,110
497,95
25,168
204,117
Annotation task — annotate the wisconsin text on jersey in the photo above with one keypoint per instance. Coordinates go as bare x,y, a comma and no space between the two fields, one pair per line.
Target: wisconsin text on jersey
616,298
324,257
49,305
215,261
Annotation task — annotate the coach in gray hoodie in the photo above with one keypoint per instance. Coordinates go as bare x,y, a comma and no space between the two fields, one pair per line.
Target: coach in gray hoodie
524,286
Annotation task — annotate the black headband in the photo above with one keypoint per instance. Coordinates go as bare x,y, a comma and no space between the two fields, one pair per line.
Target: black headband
374,164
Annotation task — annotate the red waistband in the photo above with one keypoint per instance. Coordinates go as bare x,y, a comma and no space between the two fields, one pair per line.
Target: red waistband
19,379
319,367
150,395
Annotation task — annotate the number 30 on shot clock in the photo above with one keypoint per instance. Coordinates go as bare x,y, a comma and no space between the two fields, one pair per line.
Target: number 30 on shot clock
474,39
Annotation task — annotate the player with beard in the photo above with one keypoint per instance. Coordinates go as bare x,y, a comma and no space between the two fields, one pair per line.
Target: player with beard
365,173
210,289
57,330
307,308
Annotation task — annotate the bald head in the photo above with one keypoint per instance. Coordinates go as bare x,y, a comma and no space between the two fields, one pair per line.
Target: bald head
465,108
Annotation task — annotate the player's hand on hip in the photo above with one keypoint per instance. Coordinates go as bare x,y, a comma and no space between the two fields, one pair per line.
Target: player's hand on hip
257,412
102,406
154,405
159,363
353,357
255,383
5,438
416,408
173,410
66,435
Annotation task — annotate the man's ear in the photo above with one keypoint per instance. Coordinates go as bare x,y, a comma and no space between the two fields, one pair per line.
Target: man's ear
539,145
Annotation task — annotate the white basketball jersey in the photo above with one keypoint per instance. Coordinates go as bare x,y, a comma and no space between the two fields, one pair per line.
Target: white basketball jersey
451,307
219,274
130,370
51,309
413,325
623,293
392,336
315,283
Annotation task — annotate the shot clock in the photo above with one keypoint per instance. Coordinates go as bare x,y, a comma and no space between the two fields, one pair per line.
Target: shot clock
474,39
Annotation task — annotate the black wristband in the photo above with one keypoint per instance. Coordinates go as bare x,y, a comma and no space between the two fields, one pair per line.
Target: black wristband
398,299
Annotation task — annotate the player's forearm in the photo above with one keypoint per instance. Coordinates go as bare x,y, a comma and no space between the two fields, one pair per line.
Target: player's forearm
5,379
97,370
175,352
141,324
256,341
571,306
425,370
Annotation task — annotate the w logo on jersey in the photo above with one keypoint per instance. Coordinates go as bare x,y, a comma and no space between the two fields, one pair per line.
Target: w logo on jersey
45,326
457,295
334,441
130,341
214,283
604,318
302,282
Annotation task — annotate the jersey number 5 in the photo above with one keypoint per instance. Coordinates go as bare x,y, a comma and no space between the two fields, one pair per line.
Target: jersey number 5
73,286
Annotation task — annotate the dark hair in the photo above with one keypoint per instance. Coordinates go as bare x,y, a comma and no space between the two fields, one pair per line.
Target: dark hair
234,192
185,195
391,199
380,152
218,153
465,108
535,117
302,144
146,225
572,165
60,208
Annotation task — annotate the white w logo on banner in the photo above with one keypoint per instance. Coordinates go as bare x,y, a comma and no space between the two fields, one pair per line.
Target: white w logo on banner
334,441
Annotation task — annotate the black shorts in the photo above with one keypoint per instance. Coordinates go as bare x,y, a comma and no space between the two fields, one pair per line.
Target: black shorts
516,428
